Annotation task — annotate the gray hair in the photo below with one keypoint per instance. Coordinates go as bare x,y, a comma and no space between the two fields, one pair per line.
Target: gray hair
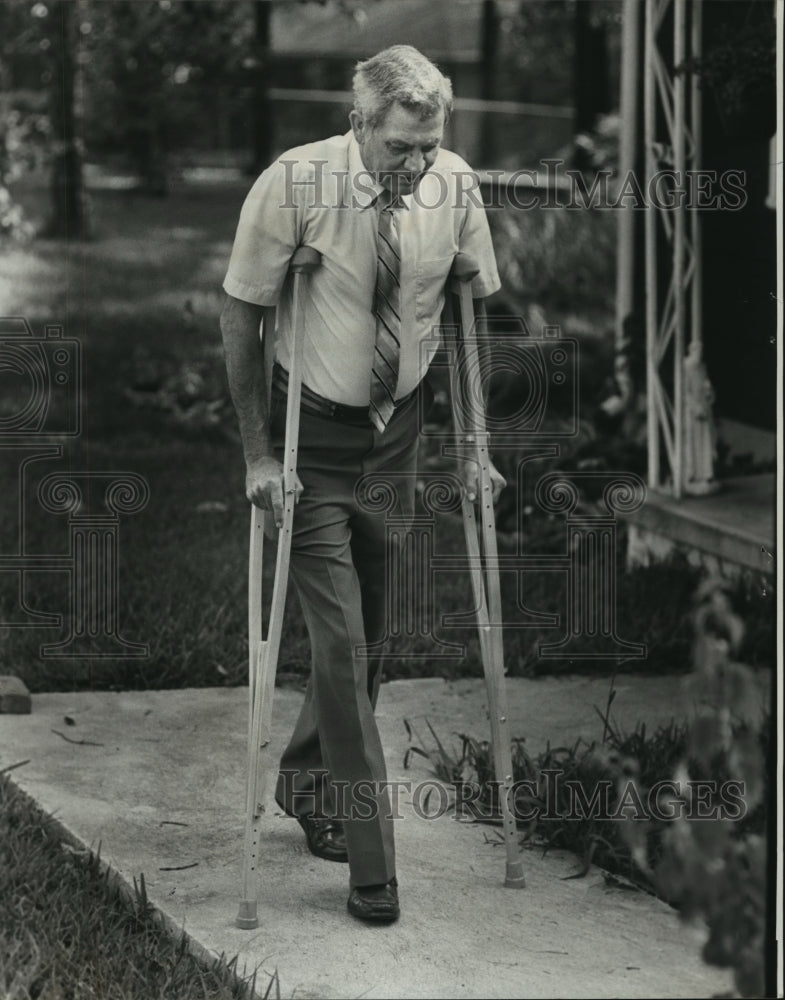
400,75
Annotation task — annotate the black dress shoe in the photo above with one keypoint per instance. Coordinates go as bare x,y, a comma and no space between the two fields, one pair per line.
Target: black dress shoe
325,837
376,903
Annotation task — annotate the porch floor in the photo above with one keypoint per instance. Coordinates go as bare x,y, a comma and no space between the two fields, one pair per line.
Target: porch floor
736,525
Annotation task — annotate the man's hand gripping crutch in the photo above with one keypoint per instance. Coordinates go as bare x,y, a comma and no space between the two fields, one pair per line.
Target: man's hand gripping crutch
480,529
281,492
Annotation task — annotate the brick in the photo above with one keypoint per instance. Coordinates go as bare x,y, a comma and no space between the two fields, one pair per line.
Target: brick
14,696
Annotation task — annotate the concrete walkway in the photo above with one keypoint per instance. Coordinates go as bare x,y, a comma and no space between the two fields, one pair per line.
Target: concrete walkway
159,782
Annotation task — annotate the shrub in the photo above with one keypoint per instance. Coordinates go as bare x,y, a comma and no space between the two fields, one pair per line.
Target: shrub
681,812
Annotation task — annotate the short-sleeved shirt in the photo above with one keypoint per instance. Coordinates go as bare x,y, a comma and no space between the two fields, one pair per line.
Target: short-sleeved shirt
320,195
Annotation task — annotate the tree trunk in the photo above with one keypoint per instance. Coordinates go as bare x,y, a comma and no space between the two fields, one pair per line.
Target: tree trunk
489,58
590,82
262,111
69,218
151,159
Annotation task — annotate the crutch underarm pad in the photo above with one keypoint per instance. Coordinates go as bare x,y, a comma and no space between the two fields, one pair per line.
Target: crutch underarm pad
464,268
305,260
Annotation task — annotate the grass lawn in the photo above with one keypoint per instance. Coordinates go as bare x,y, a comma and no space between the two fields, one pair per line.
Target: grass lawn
65,921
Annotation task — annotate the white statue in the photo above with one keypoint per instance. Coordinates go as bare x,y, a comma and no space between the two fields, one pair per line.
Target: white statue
700,433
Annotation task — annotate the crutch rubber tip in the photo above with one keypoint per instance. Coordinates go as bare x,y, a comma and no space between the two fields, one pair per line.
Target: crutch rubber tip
246,918
514,878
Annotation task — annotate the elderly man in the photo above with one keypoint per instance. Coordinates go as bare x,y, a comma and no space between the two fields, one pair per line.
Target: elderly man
388,209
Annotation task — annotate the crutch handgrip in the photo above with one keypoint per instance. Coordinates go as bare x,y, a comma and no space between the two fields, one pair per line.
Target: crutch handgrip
464,268
304,260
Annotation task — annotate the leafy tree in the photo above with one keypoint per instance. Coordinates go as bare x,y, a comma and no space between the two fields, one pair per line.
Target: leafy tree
591,85
582,33
39,72
157,71
259,65
69,216
489,56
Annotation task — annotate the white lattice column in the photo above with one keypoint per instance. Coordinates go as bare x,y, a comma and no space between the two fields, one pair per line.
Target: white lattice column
679,405
699,439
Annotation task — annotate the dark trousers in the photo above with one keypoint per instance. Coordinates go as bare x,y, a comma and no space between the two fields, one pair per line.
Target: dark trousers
334,762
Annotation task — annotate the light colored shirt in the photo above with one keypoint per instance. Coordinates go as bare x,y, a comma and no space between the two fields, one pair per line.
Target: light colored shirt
320,195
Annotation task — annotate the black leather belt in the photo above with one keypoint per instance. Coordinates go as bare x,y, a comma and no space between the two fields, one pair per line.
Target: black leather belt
319,406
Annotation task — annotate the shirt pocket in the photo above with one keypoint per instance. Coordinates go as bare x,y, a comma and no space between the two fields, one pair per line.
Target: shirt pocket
429,280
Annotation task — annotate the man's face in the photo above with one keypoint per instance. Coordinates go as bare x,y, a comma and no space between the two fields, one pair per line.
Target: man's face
400,148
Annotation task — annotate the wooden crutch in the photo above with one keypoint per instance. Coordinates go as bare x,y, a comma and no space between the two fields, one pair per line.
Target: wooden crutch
263,653
470,427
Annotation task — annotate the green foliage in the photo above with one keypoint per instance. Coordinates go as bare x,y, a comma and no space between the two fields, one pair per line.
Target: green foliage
13,223
24,124
739,67
560,259
568,797
685,811
155,70
541,36
741,64
154,73
714,868
599,148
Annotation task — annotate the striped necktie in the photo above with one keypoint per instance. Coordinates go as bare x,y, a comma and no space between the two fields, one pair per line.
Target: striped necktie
387,309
